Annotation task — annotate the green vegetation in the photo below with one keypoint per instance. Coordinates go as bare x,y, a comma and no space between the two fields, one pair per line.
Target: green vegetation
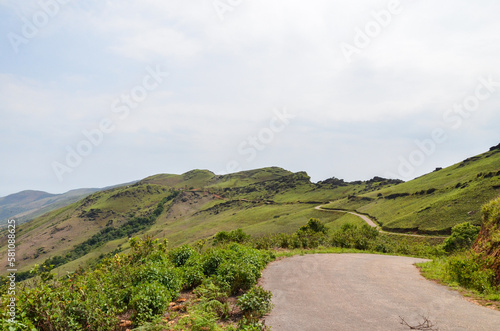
141,285
237,236
189,287
350,238
473,269
262,201
255,303
462,237
146,283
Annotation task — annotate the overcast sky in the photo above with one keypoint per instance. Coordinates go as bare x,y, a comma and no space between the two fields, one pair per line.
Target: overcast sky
96,93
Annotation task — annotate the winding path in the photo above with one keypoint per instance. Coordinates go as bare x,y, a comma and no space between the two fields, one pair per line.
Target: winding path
364,292
365,218
371,223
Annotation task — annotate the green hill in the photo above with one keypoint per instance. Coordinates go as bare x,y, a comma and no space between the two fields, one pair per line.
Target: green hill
435,202
198,204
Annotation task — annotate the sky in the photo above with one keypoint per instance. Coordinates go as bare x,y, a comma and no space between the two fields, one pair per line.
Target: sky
97,93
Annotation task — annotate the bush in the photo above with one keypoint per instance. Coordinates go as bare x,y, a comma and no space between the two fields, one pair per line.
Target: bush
161,273
199,320
470,271
462,237
237,236
180,255
212,260
142,282
255,303
237,276
58,305
314,225
352,236
193,276
149,300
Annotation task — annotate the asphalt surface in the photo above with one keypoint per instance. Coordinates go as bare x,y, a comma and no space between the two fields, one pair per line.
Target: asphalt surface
365,292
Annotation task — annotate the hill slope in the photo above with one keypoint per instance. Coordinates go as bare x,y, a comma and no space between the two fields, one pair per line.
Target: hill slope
435,202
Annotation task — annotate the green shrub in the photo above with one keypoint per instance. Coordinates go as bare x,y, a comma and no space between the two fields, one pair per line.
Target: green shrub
211,261
312,235
352,236
56,306
462,237
255,303
142,282
210,291
162,273
149,300
470,271
221,309
193,276
237,236
199,320
251,325
237,276
180,255
314,225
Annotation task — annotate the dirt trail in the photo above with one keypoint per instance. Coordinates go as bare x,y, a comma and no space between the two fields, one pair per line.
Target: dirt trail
371,223
364,292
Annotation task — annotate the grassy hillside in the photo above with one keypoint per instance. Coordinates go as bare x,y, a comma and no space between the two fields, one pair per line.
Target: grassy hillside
198,204
57,232
435,202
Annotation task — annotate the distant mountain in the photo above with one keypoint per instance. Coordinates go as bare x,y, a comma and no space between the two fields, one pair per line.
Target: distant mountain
26,205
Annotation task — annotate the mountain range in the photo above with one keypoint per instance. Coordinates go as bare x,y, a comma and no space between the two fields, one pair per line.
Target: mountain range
29,204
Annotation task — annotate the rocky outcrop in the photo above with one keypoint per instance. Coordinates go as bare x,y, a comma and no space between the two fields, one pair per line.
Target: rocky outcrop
495,148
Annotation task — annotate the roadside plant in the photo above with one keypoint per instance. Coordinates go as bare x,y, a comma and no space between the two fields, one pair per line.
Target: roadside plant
462,237
255,303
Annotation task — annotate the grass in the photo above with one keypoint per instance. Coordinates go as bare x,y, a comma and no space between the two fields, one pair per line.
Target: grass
460,191
254,219
437,270
320,250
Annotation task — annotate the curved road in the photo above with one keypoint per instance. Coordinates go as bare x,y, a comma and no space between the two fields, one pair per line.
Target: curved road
365,218
364,292
371,223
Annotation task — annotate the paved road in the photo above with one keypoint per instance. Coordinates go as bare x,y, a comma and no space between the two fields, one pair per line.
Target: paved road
364,292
